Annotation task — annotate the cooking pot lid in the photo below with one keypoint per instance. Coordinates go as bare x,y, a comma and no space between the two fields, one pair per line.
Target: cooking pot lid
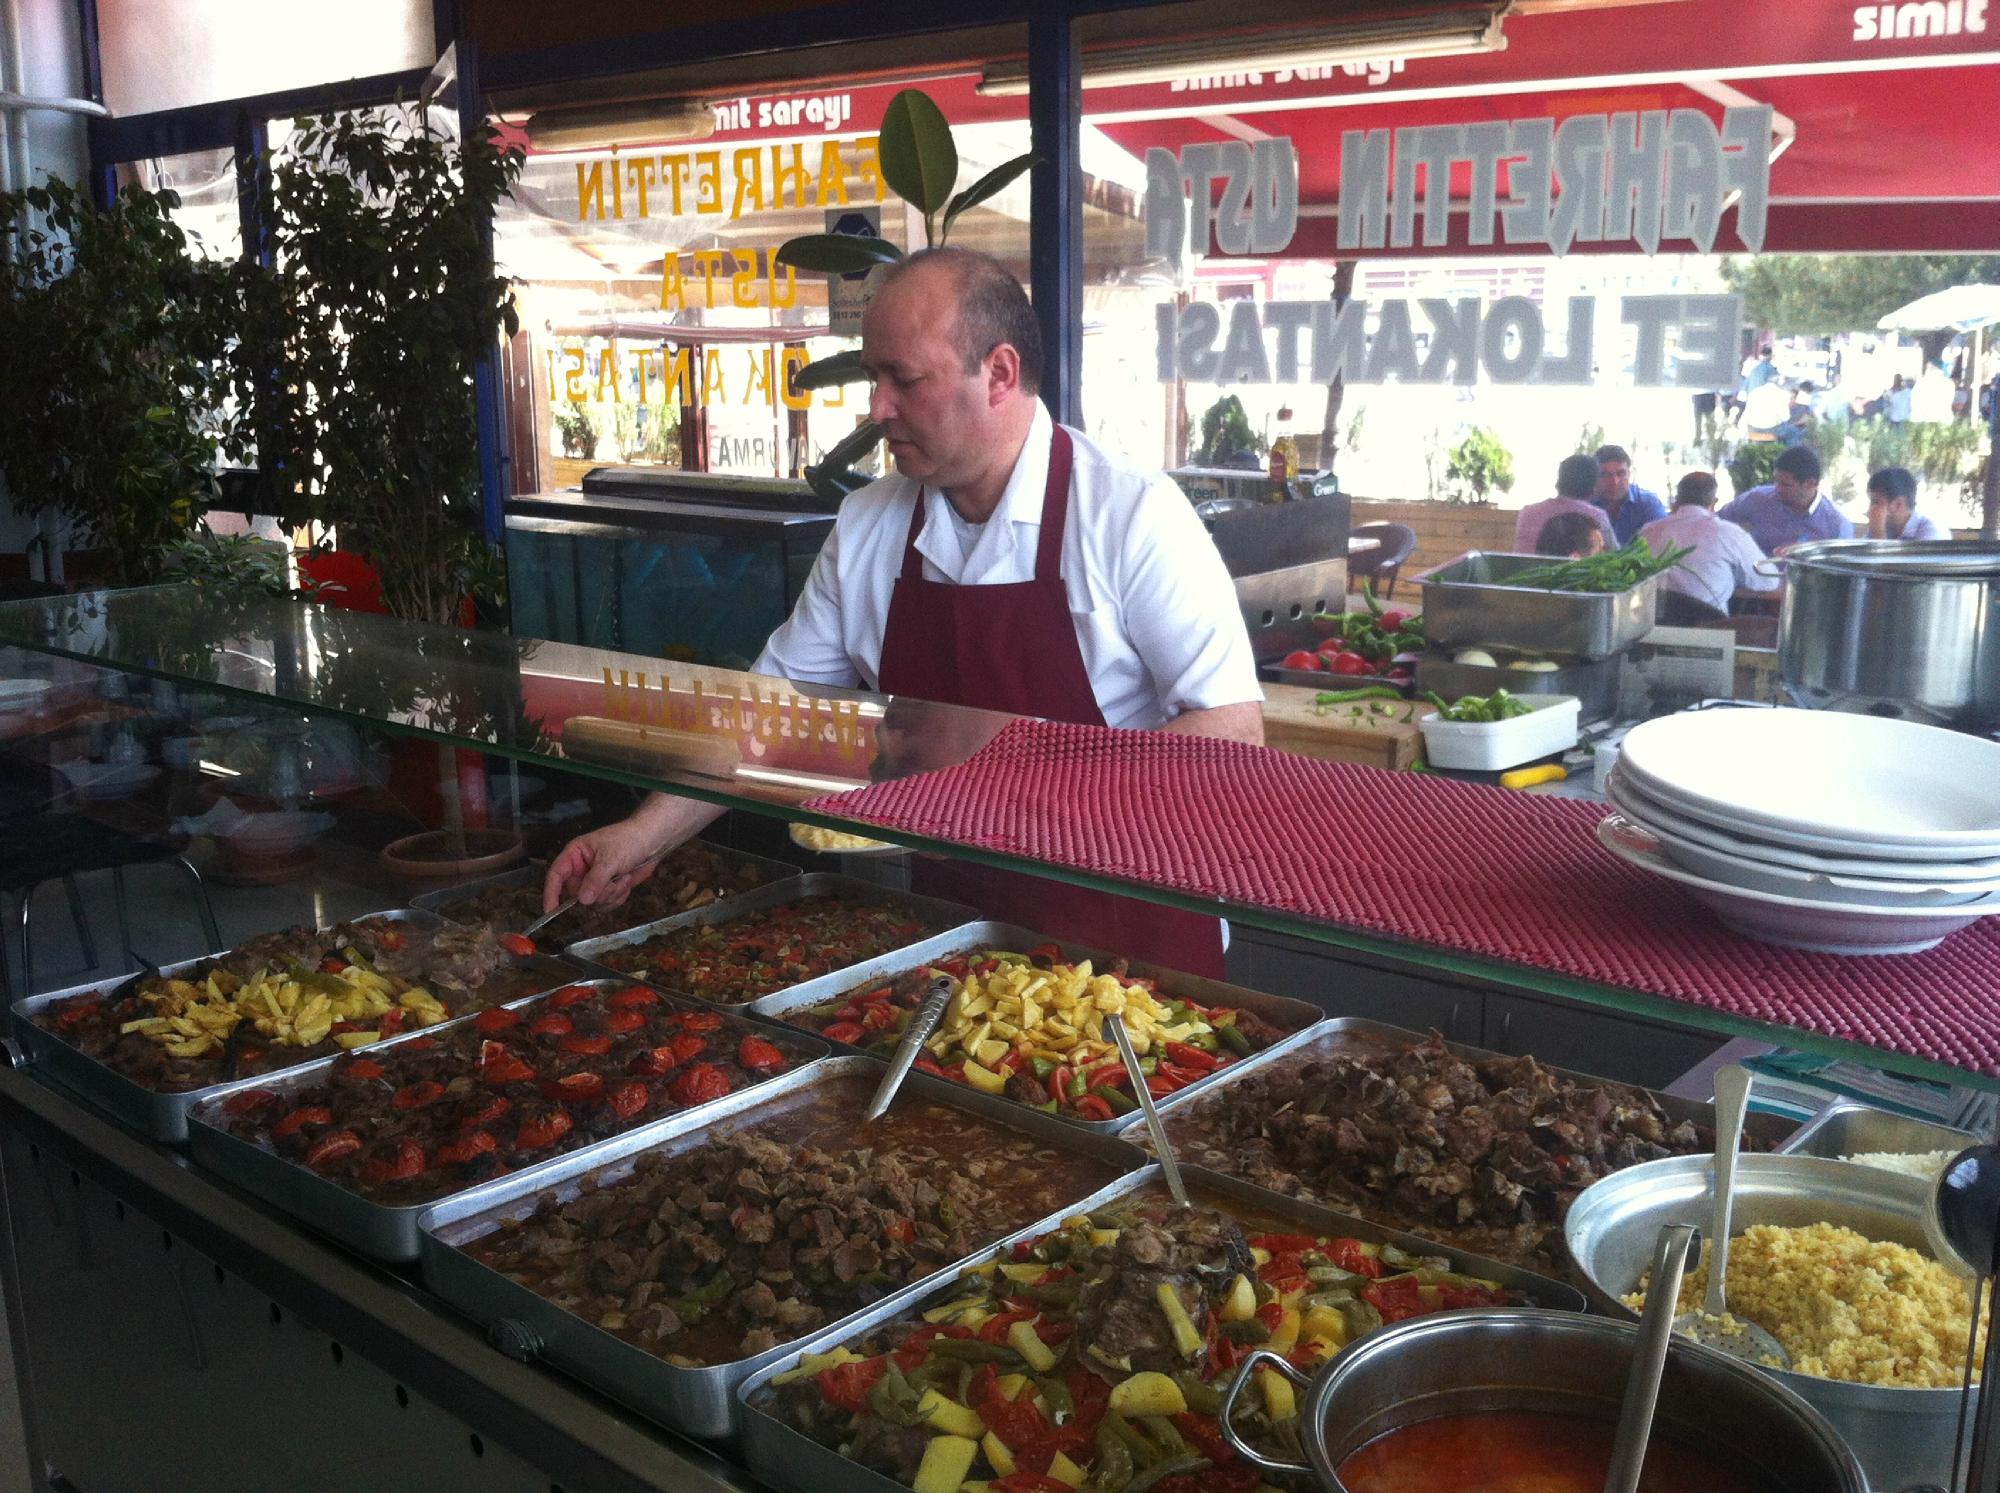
1899,559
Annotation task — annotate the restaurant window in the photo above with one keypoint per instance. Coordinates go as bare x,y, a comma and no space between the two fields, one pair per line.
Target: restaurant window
1534,303
158,56
658,328
206,183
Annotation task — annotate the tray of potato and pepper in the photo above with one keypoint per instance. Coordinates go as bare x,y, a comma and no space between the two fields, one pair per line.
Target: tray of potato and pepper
1094,1354
359,1145
152,1046
1026,1022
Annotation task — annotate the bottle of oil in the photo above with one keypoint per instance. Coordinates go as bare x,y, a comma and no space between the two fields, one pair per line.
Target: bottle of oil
1284,463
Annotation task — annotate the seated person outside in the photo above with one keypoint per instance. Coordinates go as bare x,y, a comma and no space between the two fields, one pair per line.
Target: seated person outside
1892,503
1576,486
1725,559
1789,509
1570,536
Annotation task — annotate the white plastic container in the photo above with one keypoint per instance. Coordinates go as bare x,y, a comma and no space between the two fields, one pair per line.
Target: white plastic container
1492,746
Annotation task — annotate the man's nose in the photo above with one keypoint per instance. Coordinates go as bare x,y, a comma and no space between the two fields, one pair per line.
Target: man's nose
880,406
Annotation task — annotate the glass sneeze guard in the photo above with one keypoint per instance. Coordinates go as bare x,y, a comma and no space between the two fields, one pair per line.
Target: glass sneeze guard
738,740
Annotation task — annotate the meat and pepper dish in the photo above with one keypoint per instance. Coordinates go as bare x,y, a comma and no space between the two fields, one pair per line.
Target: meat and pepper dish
761,952
1031,1026
1096,1356
1489,1154
690,877
288,998
757,1236
513,1086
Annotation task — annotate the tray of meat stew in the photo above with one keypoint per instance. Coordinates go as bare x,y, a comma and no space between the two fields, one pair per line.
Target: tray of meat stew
690,1255
1097,1354
360,1145
766,941
694,876
151,1046
1027,1020
1476,1148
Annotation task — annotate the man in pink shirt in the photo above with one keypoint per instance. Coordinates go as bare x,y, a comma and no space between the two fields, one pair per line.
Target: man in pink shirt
1576,481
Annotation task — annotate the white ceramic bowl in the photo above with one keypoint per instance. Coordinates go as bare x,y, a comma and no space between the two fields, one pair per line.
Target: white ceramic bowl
1824,774
280,832
19,696
1798,922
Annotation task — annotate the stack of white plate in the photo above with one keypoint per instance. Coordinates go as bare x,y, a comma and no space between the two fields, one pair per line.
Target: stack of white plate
1848,834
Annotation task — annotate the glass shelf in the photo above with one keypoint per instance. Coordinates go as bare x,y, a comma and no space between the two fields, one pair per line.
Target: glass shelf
742,741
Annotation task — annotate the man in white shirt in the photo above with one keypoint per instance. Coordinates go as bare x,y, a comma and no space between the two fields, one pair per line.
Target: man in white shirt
1725,558
1892,504
1896,403
1007,565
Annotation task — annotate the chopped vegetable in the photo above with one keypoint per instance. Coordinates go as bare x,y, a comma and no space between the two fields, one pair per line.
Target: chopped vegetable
1478,710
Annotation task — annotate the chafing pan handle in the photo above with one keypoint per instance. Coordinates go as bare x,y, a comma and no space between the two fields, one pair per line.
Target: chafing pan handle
516,1339
12,1053
1266,1358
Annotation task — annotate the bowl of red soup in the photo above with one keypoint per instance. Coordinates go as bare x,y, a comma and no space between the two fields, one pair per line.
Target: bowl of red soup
1504,1400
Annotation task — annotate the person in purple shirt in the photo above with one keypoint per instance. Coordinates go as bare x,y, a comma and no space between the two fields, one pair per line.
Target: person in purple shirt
1789,509
1576,482
1629,507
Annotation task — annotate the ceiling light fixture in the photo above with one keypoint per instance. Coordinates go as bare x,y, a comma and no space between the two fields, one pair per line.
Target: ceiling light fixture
1458,32
600,126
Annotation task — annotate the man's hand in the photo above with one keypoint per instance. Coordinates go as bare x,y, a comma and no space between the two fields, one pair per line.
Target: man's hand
601,868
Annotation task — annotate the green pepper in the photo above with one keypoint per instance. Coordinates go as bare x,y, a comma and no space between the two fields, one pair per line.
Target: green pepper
1055,1394
1249,1330
1347,696
1042,1067
1202,1397
1144,1453
1159,1472
1078,1084
1121,1102
1232,1038
947,1212
1112,1470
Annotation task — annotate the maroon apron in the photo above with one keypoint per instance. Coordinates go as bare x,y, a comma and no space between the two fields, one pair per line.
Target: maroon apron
1013,648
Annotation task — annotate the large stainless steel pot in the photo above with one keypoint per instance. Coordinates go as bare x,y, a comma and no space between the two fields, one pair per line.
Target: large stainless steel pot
1896,629
1903,1436
1461,1363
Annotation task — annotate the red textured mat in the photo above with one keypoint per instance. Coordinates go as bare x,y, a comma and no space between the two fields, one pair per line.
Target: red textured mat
1485,871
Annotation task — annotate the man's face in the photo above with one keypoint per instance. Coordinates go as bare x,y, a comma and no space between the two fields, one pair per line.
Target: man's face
935,415
1886,516
1614,481
1795,492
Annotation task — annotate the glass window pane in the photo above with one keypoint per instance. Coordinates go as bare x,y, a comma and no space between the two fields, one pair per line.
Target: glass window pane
197,51
206,183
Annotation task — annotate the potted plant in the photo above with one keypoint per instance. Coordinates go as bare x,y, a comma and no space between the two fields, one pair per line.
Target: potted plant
919,162
113,329
1477,465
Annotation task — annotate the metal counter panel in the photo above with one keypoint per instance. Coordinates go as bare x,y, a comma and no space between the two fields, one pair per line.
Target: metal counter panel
383,1231
1849,1126
787,1459
1295,1017
697,1401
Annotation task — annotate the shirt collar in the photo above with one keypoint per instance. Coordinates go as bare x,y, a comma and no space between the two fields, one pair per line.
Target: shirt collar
1020,507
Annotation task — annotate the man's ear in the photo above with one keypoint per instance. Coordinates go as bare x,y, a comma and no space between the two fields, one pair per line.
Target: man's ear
1003,374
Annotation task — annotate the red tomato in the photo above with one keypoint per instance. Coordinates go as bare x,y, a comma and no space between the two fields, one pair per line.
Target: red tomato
542,1130
390,1022
700,1021
362,1068
518,944
845,1386
587,1046
554,1024
1351,663
504,1068
492,1110
1392,621
249,1102
570,995
845,1031
633,996
331,1147
623,1021
405,1159
496,1019
627,1098
466,1147
575,1088
298,1119
1396,1299
1300,659
419,1095
759,1056
700,1084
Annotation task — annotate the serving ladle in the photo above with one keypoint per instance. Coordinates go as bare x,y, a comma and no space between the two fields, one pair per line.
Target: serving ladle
1710,1324
1169,1168
1649,1357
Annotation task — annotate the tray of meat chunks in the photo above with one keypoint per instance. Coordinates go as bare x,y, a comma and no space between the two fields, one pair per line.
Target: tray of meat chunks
155,1044
359,1145
755,945
1476,1148
1027,1020
669,1269
1095,1353
691,877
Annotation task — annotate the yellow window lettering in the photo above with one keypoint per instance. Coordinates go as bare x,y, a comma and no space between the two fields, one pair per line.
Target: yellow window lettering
795,359
743,282
573,379
590,189
708,261
713,389
869,151
796,174
643,174
791,292
760,376
748,165
674,172
708,182
607,374
673,294
832,175
617,188
679,371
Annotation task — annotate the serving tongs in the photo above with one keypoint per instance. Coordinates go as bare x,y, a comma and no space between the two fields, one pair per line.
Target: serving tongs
922,1023
548,917
1169,1168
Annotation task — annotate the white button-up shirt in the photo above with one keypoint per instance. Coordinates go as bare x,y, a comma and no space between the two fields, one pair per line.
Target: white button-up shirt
1154,609
1725,557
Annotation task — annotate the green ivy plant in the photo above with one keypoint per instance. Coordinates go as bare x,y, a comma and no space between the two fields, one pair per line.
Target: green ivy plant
1226,434
359,347
920,164
112,329
1479,464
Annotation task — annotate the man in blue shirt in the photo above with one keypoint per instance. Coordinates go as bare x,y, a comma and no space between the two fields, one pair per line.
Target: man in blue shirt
1628,507
1790,509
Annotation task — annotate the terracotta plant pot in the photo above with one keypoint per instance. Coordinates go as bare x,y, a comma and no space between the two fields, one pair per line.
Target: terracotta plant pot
429,855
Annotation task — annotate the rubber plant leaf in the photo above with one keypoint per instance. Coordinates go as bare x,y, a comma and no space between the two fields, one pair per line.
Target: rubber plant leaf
837,253
827,373
989,185
919,160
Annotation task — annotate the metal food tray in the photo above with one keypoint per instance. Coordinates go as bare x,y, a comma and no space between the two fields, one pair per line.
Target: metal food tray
1320,679
695,1401
443,900
1297,1017
1847,1126
811,884
1594,682
380,1230
1468,603
161,1115
786,1458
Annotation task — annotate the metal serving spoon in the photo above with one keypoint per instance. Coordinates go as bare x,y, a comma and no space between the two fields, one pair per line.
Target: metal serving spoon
1649,1357
922,1023
1710,1324
1169,1168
